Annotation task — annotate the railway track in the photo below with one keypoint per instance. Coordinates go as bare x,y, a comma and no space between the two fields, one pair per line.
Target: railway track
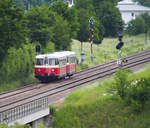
26,94
32,87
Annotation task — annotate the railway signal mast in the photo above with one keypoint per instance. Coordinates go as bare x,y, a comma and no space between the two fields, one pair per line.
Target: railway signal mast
91,21
37,49
120,44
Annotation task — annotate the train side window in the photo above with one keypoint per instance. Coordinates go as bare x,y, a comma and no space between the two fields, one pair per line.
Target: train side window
72,60
39,62
56,62
52,62
67,59
46,60
62,62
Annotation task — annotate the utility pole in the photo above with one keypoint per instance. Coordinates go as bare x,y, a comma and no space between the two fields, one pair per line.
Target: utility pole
91,21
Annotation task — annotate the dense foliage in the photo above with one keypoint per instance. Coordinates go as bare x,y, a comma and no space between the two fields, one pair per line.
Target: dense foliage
26,4
97,106
135,92
105,15
139,25
109,15
12,27
144,2
22,31
26,23
46,25
69,14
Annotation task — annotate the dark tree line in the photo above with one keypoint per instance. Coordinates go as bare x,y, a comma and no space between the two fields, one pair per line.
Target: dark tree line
144,2
106,17
55,23
12,27
27,23
139,25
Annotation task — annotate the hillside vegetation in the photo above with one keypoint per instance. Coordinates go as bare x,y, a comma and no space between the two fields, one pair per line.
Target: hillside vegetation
120,102
24,24
18,67
106,51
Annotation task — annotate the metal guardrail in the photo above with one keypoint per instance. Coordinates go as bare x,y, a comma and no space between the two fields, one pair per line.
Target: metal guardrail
23,110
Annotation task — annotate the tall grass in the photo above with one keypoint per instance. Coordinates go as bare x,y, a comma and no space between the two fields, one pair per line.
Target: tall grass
17,68
106,51
95,107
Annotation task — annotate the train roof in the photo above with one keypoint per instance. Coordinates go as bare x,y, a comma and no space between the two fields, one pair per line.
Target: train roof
57,54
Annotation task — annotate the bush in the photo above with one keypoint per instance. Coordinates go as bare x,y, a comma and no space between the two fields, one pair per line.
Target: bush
121,82
17,68
137,26
134,92
18,63
135,106
139,92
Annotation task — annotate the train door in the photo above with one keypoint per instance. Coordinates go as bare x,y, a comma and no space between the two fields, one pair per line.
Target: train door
72,64
68,65
62,67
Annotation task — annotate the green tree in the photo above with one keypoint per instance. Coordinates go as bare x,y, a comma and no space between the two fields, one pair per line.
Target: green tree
109,16
83,34
40,27
144,2
98,31
26,4
85,4
62,37
46,25
69,14
12,25
85,12
146,18
137,26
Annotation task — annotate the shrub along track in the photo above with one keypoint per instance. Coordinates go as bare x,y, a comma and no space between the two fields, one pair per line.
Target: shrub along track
57,90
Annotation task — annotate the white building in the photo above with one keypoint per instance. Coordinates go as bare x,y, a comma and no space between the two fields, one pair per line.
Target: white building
70,3
129,10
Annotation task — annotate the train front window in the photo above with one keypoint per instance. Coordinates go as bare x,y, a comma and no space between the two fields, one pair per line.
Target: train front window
52,62
39,62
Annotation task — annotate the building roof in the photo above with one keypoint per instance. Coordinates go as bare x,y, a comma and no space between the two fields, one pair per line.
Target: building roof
129,5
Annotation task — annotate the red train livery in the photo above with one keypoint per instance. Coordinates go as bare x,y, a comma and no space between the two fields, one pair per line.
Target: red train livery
55,65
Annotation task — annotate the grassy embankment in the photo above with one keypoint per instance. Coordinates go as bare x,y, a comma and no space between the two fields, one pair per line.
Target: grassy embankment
98,106
106,51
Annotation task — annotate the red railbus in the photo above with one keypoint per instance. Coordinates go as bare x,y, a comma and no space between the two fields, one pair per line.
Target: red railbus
55,65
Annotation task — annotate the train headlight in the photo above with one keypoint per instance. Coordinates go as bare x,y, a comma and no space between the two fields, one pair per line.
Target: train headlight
53,70
39,70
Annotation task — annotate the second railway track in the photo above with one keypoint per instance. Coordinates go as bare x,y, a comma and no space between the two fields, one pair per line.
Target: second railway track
34,86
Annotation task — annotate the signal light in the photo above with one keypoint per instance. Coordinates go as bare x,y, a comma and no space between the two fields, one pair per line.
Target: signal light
120,37
119,46
91,21
37,49
91,30
92,36
89,39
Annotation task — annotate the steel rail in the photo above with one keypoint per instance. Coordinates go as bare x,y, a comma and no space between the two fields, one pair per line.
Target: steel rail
143,60
34,86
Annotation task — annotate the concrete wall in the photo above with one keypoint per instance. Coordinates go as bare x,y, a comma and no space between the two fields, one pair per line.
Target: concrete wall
32,117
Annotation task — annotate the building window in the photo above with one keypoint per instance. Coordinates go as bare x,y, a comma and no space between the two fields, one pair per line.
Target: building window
132,14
